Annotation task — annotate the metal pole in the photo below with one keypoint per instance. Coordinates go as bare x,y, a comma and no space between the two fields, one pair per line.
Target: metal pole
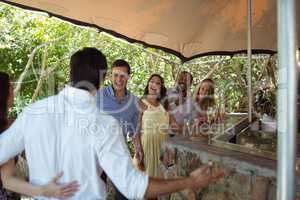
286,99
249,55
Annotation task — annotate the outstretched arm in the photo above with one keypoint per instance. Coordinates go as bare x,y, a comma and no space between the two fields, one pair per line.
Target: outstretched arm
52,189
201,177
115,160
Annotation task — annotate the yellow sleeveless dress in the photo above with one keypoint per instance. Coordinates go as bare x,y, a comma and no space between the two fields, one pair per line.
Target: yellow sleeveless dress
154,118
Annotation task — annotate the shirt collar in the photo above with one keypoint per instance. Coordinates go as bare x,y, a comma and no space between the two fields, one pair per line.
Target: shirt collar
112,92
76,95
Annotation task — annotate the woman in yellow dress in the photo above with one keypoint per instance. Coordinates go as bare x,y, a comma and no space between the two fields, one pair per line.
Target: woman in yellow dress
154,119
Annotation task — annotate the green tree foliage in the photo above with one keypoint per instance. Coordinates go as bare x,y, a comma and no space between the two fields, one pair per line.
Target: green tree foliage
22,32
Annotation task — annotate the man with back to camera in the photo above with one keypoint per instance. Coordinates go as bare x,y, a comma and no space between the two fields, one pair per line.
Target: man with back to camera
67,133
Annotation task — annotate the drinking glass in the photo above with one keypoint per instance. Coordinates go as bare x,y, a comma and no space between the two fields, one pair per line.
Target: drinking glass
210,115
222,113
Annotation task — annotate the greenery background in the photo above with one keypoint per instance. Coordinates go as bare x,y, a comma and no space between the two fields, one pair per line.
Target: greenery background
39,47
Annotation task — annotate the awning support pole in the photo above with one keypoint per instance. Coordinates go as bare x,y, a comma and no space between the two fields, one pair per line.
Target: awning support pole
286,99
249,56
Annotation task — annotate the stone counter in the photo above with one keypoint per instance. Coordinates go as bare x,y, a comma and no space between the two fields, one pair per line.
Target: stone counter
249,177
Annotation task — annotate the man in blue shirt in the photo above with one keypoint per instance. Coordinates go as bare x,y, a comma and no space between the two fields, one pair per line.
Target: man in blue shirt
120,103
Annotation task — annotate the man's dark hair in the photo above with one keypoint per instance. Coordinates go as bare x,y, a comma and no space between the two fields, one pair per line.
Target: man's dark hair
88,68
189,74
121,63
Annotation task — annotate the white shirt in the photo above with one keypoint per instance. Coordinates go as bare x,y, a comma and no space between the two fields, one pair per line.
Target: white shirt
67,133
185,112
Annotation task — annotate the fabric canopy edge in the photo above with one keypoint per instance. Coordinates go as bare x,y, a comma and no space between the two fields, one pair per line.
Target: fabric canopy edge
118,35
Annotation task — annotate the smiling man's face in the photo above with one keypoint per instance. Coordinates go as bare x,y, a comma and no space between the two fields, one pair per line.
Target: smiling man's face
184,81
120,78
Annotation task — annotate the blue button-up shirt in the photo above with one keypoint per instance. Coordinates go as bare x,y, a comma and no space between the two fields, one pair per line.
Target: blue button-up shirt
126,111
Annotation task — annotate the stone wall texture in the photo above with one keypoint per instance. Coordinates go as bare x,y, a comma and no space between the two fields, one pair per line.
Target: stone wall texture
243,184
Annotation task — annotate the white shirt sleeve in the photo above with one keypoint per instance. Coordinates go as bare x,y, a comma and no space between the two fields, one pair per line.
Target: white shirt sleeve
115,160
12,140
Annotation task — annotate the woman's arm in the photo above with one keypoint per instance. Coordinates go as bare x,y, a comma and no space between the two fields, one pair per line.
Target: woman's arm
139,155
52,189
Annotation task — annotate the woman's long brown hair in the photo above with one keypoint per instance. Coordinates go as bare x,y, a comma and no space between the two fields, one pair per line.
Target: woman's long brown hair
209,100
163,91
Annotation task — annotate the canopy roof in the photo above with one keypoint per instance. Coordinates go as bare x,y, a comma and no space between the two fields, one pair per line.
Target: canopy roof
186,28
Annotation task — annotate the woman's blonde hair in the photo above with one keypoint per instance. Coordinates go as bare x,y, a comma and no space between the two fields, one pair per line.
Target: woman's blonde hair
209,100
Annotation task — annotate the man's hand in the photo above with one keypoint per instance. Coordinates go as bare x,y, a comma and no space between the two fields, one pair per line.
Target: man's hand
202,177
139,152
55,190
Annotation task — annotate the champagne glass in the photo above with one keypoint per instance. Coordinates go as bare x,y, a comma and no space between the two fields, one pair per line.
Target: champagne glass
188,127
211,117
222,112
210,114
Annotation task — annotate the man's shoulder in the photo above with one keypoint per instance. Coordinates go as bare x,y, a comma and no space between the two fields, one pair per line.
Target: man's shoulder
104,93
107,125
104,89
134,101
172,90
106,119
41,106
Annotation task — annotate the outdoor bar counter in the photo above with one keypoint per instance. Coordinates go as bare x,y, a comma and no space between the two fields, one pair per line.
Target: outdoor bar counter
248,176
